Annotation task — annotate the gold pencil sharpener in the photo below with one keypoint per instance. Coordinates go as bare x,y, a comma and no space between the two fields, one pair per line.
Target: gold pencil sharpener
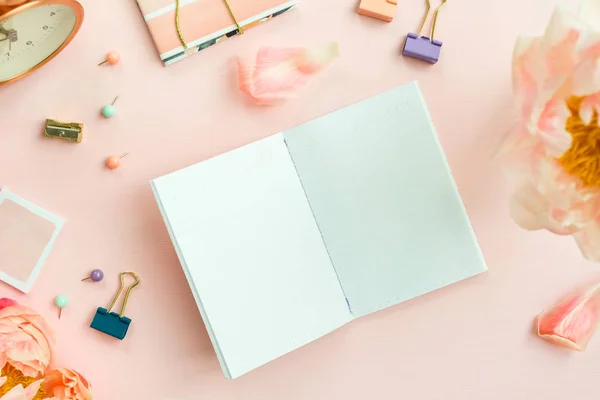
72,131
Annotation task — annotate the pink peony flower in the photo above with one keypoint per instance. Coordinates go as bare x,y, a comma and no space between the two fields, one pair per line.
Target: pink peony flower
20,393
276,74
553,158
66,384
25,339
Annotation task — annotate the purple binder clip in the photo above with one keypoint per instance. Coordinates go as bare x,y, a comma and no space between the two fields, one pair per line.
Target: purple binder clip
422,48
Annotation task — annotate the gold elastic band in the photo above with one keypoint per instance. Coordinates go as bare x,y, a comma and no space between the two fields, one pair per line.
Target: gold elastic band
234,18
180,34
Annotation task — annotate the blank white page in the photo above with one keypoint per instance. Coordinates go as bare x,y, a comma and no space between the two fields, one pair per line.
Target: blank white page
384,198
252,253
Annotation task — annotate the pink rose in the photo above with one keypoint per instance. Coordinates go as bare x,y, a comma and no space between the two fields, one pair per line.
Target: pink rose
66,384
25,339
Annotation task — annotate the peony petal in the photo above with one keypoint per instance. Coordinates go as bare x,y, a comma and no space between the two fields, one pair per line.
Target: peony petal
589,106
20,393
586,78
571,322
558,54
3,380
527,207
517,152
561,36
277,74
589,13
551,128
5,302
588,240
525,69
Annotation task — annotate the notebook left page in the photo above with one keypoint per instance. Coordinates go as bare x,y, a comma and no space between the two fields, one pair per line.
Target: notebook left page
253,255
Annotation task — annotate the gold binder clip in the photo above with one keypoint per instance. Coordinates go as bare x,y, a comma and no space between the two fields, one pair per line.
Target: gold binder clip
111,323
72,131
422,47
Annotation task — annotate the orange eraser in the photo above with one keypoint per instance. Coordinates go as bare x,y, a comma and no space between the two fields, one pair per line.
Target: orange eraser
380,9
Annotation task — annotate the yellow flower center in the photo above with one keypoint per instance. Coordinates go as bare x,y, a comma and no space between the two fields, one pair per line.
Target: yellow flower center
16,377
583,157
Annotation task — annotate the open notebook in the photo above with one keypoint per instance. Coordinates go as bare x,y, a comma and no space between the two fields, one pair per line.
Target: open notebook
288,238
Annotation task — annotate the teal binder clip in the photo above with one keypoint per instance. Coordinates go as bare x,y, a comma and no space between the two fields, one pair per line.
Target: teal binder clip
111,323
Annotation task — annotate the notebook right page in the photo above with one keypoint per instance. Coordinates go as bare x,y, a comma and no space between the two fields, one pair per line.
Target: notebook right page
384,199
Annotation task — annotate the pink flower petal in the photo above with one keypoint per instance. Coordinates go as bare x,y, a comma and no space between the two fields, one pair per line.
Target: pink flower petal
531,211
589,106
586,78
551,127
527,207
572,322
525,69
20,393
277,74
517,153
588,240
5,302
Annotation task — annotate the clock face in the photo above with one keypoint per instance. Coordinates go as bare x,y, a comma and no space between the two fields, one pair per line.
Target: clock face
32,36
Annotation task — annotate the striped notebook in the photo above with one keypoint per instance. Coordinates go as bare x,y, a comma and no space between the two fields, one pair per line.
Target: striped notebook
203,23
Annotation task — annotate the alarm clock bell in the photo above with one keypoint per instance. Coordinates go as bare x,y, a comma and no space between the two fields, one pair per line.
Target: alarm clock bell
33,32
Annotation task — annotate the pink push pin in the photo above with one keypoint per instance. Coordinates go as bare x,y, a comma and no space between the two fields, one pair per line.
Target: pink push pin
112,58
114,162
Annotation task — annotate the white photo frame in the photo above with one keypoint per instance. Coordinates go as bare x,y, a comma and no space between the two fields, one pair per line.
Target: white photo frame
25,285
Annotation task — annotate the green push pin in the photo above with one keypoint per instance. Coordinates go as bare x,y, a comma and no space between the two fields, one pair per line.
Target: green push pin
61,302
109,110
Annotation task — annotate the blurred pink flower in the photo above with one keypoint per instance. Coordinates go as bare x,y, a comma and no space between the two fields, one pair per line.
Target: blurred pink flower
276,74
20,393
66,384
553,157
25,339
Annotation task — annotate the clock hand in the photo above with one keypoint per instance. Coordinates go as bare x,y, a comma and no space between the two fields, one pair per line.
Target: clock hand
12,36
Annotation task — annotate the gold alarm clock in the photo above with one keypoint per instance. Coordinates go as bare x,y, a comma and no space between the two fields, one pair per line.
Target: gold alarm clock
33,32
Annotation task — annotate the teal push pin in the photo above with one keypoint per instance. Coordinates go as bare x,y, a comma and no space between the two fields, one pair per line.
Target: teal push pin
61,302
109,110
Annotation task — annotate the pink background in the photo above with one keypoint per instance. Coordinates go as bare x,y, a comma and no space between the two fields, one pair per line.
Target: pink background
471,341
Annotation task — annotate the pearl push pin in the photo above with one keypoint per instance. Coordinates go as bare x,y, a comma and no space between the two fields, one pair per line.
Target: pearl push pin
61,302
421,47
111,323
112,58
96,275
109,110
114,162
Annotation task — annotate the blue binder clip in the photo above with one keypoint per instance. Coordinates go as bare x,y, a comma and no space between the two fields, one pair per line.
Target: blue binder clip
421,47
111,323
